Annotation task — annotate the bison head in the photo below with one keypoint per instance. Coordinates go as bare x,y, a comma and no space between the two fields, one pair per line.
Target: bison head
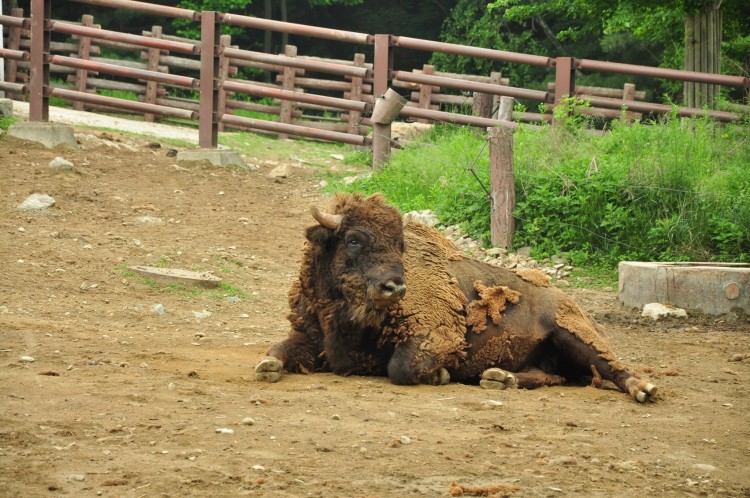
356,254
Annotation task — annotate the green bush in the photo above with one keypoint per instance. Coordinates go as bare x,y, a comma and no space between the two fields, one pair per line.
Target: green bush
668,190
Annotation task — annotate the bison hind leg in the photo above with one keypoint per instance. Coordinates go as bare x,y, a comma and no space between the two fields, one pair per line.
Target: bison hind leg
640,390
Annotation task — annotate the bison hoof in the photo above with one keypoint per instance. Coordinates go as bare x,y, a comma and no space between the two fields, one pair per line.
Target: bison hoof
495,378
269,369
645,393
441,377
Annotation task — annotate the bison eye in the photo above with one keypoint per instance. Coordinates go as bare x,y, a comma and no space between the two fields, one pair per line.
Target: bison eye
355,243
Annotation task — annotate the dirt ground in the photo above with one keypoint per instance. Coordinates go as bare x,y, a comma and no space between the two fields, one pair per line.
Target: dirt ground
123,401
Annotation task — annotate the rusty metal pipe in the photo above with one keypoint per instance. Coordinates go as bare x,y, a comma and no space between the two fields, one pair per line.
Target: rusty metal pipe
128,105
296,29
15,22
14,55
104,34
485,53
127,72
149,8
473,86
289,129
658,72
633,105
309,98
449,117
317,66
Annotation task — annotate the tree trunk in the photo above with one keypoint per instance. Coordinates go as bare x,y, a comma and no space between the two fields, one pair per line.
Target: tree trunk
703,53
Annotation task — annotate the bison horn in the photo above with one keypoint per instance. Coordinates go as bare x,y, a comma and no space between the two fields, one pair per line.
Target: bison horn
328,220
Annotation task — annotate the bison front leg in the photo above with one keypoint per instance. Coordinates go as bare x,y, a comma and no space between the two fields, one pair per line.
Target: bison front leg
300,353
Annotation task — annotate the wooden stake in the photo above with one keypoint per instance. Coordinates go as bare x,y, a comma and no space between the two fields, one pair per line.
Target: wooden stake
502,187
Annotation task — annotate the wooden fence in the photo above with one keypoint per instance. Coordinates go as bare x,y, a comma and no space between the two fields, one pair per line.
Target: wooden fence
317,98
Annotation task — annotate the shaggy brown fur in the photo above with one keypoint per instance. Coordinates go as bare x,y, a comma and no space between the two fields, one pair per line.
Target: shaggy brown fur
458,316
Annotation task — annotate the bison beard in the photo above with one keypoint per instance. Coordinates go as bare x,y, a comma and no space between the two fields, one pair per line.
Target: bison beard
378,298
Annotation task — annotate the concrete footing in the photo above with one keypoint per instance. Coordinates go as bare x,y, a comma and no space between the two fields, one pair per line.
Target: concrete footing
48,134
217,157
713,288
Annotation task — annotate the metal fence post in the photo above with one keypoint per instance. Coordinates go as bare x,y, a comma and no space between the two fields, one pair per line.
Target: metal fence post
41,11
208,126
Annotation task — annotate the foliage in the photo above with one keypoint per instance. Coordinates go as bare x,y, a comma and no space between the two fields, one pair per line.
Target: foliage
6,122
668,190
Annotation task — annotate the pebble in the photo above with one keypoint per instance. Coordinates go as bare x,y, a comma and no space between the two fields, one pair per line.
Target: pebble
158,308
336,416
491,404
224,430
60,163
405,440
26,359
37,201
258,467
704,467
248,421
78,477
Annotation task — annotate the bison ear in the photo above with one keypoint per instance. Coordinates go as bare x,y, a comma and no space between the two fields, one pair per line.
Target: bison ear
319,235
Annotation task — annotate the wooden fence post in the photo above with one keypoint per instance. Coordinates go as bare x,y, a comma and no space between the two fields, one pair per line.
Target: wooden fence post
355,93
41,12
502,186
425,92
628,93
224,42
385,110
84,52
565,79
381,138
505,110
496,78
208,129
152,87
287,106
14,43
485,103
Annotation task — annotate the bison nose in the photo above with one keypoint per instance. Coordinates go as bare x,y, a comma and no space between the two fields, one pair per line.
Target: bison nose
393,288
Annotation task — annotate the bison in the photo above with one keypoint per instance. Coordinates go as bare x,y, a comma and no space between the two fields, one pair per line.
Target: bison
376,296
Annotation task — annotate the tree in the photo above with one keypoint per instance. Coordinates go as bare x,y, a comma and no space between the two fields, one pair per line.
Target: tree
660,31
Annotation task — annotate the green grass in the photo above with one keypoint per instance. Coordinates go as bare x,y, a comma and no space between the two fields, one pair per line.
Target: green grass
670,190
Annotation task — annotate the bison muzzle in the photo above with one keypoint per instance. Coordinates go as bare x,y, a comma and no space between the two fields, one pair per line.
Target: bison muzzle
377,297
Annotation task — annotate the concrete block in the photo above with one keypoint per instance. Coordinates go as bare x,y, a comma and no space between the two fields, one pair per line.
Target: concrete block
217,157
48,134
6,108
713,288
